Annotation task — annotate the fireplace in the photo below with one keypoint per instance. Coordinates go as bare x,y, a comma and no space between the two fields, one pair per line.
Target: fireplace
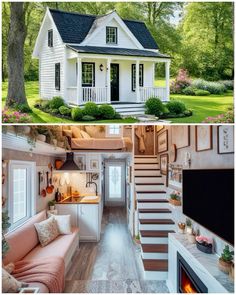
187,280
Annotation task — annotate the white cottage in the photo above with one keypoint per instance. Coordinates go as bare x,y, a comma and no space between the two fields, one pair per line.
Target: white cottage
104,59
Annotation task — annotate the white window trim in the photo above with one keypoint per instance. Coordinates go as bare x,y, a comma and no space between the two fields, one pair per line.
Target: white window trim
108,134
31,167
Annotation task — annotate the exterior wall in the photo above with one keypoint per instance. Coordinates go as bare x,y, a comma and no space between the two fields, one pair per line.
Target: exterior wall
124,41
48,57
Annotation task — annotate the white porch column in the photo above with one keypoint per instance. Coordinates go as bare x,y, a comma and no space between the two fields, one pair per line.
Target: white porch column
65,75
167,72
137,81
79,81
108,80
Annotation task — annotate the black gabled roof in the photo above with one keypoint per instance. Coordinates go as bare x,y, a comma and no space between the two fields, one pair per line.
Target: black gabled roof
116,51
74,27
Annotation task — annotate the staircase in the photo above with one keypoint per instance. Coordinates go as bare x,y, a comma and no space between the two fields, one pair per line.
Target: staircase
155,217
129,109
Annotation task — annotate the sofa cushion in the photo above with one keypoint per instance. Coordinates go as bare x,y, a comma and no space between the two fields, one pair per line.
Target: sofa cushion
23,239
63,223
59,247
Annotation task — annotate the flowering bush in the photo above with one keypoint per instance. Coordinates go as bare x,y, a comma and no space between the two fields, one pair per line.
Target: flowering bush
212,87
228,117
175,195
9,116
181,81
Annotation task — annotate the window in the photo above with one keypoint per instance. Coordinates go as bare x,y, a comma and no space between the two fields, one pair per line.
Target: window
88,74
134,76
57,76
21,189
111,35
50,38
113,131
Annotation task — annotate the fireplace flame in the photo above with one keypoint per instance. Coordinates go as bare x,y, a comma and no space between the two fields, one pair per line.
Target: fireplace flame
187,288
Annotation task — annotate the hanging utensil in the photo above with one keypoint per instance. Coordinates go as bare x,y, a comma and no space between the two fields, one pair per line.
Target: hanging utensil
52,186
49,190
39,179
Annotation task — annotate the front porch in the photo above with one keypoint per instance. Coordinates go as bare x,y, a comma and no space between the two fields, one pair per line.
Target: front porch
107,80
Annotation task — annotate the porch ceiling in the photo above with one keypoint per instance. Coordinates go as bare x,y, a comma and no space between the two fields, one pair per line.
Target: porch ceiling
116,51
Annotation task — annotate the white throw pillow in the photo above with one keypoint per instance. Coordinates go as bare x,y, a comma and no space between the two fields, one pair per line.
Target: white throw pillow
47,231
63,223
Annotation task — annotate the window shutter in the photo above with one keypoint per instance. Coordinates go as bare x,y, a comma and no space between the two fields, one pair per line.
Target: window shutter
50,38
57,76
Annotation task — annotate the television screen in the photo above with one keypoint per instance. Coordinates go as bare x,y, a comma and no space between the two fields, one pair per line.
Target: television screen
208,199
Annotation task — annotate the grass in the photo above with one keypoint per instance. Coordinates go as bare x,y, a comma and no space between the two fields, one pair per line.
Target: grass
202,106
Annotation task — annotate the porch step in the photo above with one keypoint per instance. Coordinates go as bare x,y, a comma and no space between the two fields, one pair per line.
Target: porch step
130,109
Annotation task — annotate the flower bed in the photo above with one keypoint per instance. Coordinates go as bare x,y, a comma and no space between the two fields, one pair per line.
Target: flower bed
11,116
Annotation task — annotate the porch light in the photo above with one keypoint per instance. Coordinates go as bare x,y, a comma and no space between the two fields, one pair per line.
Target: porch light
101,67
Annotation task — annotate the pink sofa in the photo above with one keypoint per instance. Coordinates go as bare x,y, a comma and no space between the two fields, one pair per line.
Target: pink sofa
24,245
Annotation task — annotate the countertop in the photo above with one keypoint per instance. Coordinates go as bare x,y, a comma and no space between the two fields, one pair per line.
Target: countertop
80,200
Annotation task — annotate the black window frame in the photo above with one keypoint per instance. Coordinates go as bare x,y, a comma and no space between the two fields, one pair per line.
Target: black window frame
58,76
50,38
133,76
93,78
116,35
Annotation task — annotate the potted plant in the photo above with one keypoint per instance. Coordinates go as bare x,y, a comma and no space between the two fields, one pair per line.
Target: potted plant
192,237
137,239
226,259
189,229
231,273
51,205
175,198
204,244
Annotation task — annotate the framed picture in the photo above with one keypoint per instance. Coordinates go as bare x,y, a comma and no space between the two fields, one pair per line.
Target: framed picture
225,134
180,136
159,128
80,160
162,142
93,164
164,161
175,176
203,138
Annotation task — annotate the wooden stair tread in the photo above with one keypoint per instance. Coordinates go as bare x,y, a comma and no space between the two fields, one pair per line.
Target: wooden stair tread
155,264
156,221
155,233
155,248
152,201
150,183
161,210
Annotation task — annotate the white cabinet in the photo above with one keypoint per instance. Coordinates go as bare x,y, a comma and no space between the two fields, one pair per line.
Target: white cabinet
69,209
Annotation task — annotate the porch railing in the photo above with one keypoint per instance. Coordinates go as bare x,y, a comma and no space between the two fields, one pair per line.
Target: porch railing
147,92
94,94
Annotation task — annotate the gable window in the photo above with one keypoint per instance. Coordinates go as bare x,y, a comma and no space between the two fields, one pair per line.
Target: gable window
21,192
134,76
111,35
58,76
50,38
88,74
113,131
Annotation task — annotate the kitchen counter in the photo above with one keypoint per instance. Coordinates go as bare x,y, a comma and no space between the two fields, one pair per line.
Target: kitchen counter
80,200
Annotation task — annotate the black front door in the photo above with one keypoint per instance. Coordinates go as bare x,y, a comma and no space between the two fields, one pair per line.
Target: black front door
114,82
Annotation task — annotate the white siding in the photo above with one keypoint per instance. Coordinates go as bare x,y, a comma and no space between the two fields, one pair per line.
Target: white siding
48,57
124,41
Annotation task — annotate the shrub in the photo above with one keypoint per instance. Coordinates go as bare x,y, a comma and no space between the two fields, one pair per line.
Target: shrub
91,109
9,116
176,107
56,102
189,90
212,87
77,114
229,84
188,113
88,118
200,92
106,111
54,111
228,117
23,108
117,116
154,106
65,111
181,81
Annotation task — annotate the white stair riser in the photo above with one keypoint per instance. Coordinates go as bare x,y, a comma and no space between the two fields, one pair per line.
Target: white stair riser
146,255
153,240
155,275
155,215
153,196
146,166
147,173
150,188
152,205
140,180
156,227
146,160
130,105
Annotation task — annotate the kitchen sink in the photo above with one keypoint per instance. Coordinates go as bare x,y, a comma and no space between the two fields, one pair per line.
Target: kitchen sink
90,198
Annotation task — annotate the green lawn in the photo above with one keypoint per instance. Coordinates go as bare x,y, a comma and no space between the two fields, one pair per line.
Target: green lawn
202,106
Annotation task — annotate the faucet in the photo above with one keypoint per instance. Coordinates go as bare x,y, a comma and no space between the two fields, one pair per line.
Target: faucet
91,182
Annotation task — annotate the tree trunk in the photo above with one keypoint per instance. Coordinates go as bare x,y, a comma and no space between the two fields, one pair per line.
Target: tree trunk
15,55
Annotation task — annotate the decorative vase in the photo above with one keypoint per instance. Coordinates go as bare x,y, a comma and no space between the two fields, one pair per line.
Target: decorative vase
181,227
175,202
41,137
60,144
231,272
189,230
52,208
54,142
205,248
191,239
26,130
224,266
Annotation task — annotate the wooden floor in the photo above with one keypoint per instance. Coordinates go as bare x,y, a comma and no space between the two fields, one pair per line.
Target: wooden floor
113,265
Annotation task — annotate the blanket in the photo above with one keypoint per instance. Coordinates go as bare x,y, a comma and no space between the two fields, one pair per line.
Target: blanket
48,271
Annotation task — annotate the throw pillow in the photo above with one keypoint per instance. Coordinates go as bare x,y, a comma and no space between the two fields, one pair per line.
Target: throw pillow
67,133
76,133
63,223
47,231
85,134
10,284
